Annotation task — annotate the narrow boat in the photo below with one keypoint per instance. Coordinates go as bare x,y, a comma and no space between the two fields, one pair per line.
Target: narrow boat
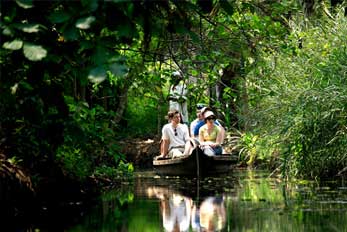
196,164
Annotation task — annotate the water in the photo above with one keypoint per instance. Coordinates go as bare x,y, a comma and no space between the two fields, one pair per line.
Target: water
240,201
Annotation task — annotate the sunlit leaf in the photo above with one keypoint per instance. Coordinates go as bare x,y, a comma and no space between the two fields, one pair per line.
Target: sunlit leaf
29,28
14,88
84,23
26,4
13,45
34,52
97,75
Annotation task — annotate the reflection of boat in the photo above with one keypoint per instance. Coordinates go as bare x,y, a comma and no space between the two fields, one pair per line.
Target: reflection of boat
196,164
179,212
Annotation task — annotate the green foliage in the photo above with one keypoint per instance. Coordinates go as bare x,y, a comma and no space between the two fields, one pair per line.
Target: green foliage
247,144
123,170
299,96
146,105
90,145
73,73
74,162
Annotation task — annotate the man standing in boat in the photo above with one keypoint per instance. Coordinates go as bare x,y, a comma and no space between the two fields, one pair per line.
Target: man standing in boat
178,96
175,137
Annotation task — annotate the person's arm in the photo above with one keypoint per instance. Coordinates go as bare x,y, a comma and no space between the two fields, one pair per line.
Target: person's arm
222,130
165,142
164,147
219,139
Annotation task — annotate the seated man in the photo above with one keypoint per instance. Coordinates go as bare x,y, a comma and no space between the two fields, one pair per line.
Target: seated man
175,138
199,118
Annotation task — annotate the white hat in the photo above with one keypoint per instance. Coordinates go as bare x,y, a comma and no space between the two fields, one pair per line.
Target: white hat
176,74
208,114
205,109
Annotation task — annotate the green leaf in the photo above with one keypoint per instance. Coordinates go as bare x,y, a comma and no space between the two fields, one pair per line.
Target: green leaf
7,31
29,28
101,55
26,85
97,75
26,4
34,52
13,45
71,33
195,37
84,23
92,5
59,17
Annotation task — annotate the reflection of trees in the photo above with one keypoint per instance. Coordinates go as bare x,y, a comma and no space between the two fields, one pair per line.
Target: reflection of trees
179,212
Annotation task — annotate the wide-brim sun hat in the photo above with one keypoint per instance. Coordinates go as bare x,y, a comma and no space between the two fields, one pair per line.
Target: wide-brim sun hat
205,109
208,114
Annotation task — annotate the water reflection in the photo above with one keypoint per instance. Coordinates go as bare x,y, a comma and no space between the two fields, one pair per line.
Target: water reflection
244,201
180,212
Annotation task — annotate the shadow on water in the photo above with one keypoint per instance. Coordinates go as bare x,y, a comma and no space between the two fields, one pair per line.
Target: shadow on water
243,200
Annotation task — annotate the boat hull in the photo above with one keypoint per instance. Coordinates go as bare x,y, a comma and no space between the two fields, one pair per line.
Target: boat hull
196,164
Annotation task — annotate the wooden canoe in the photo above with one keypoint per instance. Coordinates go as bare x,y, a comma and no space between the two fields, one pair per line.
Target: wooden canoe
196,164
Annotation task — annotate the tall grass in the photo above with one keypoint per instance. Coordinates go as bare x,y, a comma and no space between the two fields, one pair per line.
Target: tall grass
299,100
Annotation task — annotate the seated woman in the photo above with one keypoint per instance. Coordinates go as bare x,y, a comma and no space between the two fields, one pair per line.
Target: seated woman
210,136
199,123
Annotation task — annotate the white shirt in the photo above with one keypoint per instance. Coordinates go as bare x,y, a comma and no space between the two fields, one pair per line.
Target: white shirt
178,138
178,100
180,211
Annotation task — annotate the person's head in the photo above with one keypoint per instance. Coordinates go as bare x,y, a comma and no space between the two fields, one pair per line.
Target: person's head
174,116
205,109
209,117
176,77
199,106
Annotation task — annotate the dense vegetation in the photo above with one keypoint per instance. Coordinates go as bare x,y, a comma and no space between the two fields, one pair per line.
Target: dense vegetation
78,77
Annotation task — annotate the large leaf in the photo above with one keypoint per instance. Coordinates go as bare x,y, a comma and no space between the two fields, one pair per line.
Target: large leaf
84,23
92,5
34,52
101,55
97,75
59,17
71,33
26,4
13,45
29,28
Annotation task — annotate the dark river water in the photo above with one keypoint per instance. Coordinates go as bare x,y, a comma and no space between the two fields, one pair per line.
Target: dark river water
243,200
